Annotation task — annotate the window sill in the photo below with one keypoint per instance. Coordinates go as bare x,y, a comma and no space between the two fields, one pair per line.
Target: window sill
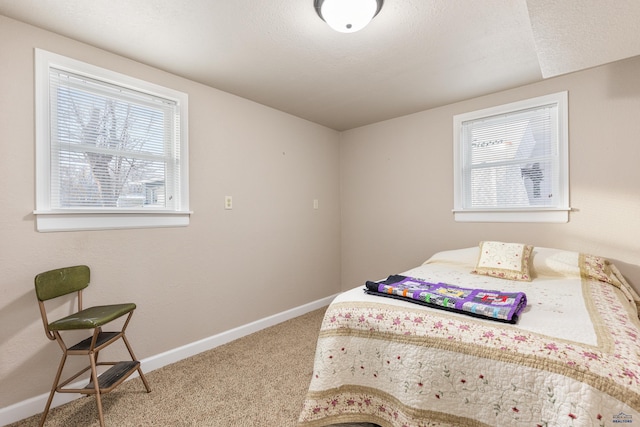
49,221
552,215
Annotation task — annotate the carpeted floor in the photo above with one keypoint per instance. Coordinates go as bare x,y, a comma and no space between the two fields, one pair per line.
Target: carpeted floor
257,380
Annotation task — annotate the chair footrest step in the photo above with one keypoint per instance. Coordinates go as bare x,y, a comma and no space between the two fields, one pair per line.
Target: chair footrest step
113,376
103,337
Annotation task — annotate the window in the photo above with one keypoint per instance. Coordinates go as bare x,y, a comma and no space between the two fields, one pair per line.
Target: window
511,162
111,150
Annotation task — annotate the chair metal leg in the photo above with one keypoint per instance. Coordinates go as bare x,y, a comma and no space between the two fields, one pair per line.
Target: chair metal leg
96,334
96,386
133,357
53,389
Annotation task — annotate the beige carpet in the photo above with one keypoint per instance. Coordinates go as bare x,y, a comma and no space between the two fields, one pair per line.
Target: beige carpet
258,380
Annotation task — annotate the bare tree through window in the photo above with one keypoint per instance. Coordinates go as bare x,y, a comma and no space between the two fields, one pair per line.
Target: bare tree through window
110,151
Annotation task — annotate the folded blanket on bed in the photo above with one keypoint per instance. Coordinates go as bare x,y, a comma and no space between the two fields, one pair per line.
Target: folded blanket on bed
487,304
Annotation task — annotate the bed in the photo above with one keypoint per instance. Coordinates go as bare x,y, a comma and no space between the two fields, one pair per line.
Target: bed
571,359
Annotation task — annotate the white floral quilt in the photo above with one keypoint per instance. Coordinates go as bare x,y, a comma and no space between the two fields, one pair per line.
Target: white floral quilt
573,359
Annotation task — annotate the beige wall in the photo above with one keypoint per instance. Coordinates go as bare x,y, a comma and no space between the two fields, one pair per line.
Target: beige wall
271,253
397,181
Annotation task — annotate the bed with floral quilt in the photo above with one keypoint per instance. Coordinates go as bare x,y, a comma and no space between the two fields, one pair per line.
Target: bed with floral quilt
572,358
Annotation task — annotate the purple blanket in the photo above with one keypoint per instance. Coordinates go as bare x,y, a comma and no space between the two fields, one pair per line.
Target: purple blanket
487,304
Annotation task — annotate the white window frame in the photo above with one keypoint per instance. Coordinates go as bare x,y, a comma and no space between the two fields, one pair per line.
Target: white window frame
558,213
49,218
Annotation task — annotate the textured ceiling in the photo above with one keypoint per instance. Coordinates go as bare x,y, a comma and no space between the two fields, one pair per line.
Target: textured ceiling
573,35
415,55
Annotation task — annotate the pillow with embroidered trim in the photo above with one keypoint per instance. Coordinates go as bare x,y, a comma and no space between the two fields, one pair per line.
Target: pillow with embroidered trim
504,260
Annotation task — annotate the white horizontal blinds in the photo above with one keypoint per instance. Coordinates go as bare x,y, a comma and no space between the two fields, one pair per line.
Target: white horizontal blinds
511,161
111,147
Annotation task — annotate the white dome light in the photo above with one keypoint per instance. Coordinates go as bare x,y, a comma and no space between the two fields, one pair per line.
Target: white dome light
347,16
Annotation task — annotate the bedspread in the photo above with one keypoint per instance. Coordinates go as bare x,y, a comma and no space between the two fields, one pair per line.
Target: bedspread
397,364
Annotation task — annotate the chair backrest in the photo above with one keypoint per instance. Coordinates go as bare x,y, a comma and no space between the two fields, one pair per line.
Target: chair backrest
62,281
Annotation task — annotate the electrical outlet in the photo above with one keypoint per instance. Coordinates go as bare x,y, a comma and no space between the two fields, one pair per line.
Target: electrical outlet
315,203
228,202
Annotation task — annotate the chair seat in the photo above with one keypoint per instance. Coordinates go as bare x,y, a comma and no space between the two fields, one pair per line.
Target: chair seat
92,317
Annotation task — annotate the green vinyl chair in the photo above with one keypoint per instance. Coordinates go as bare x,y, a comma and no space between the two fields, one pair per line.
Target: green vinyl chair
63,281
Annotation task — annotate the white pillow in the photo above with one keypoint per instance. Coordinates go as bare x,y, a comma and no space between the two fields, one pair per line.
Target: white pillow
465,256
556,262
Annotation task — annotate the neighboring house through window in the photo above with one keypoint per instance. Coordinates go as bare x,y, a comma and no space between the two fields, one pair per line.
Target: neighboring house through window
111,150
511,162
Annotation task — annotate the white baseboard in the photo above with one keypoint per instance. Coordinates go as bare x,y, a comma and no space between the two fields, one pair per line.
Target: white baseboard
35,405
168,357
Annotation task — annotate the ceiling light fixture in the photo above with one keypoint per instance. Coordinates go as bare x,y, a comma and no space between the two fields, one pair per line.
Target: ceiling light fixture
347,16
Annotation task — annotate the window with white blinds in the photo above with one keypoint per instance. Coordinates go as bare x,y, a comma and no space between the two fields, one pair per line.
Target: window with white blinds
111,150
511,162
